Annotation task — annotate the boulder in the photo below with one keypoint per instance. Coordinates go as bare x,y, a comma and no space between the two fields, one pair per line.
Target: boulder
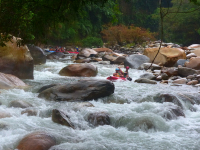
181,62
164,76
145,66
193,82
56,55
37,141
191,55
172,71
99,119
16,60
19,104
102,50
8,81
173,113
161,98
46,87
82,90
38,54
110,57
196,52
81,70
135,61
30,112
87,52
149,76
184,71
61,118
119,60
193,63
180,81
143,80
82,60
81,105
166,56
194,46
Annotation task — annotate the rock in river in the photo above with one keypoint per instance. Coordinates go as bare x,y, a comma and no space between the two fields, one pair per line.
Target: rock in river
82,90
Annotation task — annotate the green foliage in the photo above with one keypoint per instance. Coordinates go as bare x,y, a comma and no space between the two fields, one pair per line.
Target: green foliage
92,42
182,22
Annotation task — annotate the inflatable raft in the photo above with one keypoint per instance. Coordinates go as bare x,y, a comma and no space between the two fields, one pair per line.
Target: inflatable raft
113,78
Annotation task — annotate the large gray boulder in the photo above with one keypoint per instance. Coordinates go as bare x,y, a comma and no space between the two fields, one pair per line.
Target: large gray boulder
82,90
144,80
135,61
56,55
38,54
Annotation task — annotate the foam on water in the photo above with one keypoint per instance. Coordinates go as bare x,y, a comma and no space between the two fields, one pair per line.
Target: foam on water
136,120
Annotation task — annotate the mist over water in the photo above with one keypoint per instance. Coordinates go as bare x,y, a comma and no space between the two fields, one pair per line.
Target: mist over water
137,121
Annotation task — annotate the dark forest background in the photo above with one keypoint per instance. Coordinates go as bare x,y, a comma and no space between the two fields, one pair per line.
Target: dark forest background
92,22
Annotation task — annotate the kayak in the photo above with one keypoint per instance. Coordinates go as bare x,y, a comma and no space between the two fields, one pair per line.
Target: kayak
113,78
72,52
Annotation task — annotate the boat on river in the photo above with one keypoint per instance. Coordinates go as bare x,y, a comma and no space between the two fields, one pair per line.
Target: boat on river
113,78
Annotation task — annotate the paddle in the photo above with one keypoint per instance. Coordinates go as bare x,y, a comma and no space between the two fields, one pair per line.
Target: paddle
129,78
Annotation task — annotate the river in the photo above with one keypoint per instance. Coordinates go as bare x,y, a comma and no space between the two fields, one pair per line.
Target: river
127,107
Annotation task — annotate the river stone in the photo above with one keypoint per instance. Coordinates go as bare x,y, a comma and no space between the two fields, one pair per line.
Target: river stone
172,71
161,98
145,66
119,60
87,52
87,60
143,80
99,50
110,57
46,87
149,76
180,81
193,82
99,119
81,105
191,55
82,90
37,141
184,71
135,61
29,112
16,60
60,117
166,56
80,70
38,54
164,76
20,104
173,113
181,62
193,63
194,46
56,55
8,81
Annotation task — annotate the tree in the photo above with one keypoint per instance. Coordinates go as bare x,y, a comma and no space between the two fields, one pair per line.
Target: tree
33,19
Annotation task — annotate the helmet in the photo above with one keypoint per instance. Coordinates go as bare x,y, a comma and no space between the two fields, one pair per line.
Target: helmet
127,67
117,69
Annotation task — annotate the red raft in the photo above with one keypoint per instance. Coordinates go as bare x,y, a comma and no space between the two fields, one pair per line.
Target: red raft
72,52
113,78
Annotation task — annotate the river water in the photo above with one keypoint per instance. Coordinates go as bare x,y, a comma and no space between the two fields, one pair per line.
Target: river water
128,107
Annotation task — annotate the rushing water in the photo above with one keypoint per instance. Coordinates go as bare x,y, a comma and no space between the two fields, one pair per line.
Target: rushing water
127,107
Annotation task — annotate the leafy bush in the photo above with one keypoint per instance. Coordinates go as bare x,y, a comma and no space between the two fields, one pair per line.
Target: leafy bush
92,42
128,34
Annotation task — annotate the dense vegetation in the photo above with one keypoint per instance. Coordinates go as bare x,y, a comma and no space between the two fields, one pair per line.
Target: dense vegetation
87,23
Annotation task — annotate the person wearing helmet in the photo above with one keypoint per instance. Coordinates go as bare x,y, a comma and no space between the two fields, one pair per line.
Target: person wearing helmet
117,73
125,73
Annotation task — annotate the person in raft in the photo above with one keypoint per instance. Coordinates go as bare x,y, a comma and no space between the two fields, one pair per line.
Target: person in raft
117,73
125,73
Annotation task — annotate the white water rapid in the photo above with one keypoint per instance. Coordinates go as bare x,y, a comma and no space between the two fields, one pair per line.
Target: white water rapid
128,107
